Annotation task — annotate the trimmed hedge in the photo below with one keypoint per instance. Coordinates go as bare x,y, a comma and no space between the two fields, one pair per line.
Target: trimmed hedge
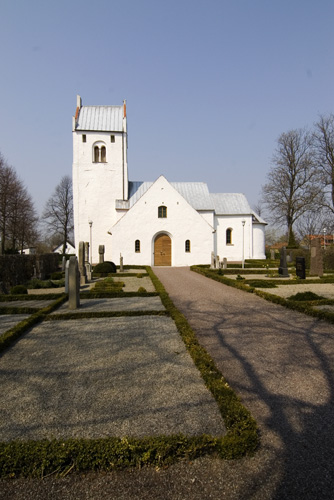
19,290
104,268
9,337
18,269
41,458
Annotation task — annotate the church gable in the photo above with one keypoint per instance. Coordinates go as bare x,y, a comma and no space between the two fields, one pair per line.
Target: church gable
160,193
161,210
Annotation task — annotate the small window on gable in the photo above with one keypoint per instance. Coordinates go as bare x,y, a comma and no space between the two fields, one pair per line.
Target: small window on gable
137,246
229,236
112,138
187,246
84,138
162,212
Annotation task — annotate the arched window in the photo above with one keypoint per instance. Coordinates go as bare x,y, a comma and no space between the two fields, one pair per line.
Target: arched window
162,212
99,152
187,246
137,246
229,236
96,154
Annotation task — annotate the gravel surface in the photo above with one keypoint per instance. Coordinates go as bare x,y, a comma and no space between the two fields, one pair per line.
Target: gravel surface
281,364
7,321
324,290
99,377
117,304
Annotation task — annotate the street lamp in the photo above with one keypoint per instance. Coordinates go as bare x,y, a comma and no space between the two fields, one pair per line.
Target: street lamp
243,222
90,222
325,231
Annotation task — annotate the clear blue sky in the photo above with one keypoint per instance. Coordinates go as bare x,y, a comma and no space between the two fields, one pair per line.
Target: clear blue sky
209,84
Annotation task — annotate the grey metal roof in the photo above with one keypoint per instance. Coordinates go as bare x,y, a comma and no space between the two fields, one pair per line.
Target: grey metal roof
230,204
257,218
195,193
100,118
198,196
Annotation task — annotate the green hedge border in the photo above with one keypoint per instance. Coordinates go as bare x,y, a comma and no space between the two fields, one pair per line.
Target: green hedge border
40,458
303,307
10,336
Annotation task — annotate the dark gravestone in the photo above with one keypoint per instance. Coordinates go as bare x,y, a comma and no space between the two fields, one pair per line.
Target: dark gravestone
73,284
283,267
82,267
300,267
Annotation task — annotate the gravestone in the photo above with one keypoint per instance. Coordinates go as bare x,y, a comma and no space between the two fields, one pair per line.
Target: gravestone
87,264
283,267
213,261
218,262
224,263
73,284
63,263
300,267
82,267
316,266
101,254
121,263
66,275
272,254
289,256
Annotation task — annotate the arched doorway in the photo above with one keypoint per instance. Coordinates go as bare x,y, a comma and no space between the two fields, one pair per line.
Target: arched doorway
162,250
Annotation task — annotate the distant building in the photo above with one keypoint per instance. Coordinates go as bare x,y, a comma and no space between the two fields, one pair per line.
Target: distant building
70,249
158,223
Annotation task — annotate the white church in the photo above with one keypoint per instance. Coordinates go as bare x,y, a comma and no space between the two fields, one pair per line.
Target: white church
158,223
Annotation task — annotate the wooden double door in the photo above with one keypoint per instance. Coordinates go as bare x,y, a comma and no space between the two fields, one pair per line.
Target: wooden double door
162,250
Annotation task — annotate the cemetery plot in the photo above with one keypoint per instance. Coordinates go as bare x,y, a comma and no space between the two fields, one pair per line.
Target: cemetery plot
96,378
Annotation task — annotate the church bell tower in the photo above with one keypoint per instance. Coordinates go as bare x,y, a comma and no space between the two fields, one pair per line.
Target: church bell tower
100,172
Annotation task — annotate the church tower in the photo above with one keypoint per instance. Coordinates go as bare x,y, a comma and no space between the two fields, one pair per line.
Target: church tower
100,172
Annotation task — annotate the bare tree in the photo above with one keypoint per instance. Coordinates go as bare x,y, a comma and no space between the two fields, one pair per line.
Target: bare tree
324,150
18,219
310,224
58,212
292,186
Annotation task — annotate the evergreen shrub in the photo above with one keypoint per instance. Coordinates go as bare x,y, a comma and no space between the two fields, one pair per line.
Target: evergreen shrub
58,275
19,290
105,268
304,296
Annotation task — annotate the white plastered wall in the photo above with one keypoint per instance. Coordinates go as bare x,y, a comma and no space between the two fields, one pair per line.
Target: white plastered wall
259,241
241,236
141,223
96,186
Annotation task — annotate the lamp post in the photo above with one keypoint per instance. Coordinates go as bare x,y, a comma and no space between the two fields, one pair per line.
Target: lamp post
243,222
325,231
90,222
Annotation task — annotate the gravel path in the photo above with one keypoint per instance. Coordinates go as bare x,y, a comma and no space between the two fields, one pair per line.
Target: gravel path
280,363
